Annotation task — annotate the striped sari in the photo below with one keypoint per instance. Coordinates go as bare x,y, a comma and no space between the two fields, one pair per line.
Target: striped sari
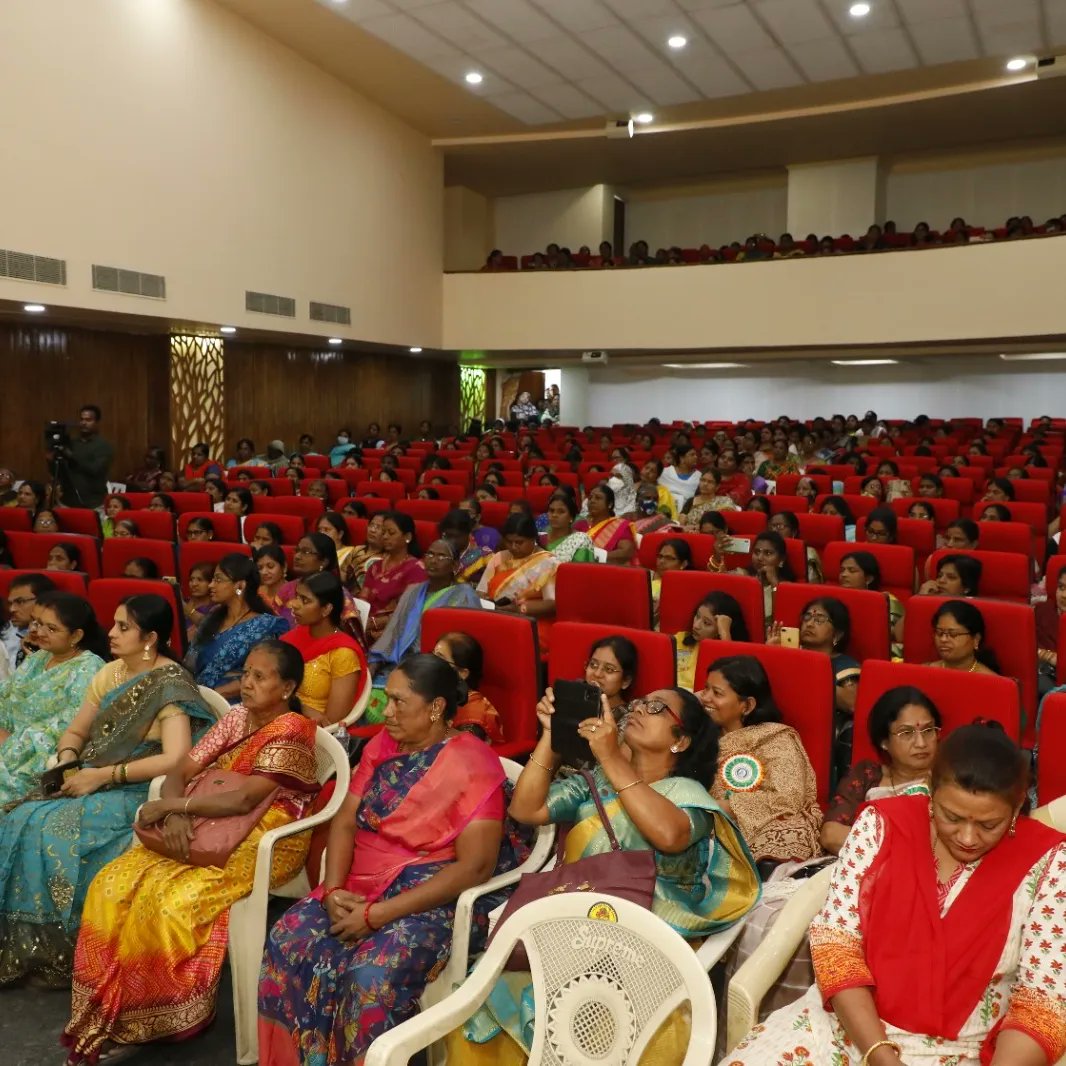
522,580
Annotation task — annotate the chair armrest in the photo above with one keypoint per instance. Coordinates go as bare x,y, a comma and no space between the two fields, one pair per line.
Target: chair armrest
752,981
713,949
360,705
51,762
156,787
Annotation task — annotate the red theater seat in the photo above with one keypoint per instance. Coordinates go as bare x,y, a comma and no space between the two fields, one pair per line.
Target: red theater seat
83,520
386,490
306,507
1004,575
106,593
511,681
1051,736
66,580
896,562
118,551
682,591
29,551
226,526
15,518
152,525
818,530
424,510
610,595
194,551
868,610
572,641
292,526
188,501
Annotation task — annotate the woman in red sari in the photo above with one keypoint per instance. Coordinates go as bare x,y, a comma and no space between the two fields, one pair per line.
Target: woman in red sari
153,932
388,576
942,940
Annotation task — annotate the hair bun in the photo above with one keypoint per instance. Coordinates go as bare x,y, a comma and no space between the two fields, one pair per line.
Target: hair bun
989,723
462,691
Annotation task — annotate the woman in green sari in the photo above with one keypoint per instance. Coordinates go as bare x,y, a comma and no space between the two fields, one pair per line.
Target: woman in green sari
137,721
653,784
36,702
561,540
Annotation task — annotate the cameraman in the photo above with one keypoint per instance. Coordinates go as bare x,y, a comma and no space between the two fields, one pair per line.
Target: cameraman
83,466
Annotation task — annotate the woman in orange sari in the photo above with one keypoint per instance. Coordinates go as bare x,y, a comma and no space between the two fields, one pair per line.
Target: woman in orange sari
154,929
614,535
521,578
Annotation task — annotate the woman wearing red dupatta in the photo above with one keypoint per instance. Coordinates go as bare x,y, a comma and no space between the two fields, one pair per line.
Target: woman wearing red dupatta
943,936
422,822
153,932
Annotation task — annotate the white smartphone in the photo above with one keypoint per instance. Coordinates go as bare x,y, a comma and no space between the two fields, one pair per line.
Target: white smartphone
790,637
738,545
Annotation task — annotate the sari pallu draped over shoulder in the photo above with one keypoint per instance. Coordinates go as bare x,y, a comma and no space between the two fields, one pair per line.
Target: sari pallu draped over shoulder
52,848
219,660
518,580
154,931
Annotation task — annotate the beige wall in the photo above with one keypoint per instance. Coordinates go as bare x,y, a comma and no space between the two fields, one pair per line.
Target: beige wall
1008,289
570,217
171,137
835,198
468,228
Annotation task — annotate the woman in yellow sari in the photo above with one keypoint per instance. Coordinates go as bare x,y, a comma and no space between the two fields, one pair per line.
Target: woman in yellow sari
614,535
521,578
154,928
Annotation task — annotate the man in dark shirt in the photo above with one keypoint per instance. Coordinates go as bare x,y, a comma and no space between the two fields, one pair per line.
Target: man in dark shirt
84,466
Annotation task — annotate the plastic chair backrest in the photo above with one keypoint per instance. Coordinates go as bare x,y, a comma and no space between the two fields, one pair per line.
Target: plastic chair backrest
867,609
803,689
572,641
682,591
1004,575
511,680
958,697
118,551
106,593
29,551
593,592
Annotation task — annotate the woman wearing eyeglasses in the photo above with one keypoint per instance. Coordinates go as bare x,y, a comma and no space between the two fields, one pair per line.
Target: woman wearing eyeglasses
959,636
904,727
654,789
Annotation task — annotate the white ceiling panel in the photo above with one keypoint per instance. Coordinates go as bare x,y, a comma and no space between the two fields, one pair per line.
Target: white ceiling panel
459,26
705,67
620,47
402,32
578,15
882,17
357,10
1019,12
453,67
412,5
706,5
631,10
770,68
1010,40
569,101
825,60
656,31
734,29
947,41
879,53
524,108
518,67
795,21
571,58
1056,22
915,12
663,86
516,18
615,93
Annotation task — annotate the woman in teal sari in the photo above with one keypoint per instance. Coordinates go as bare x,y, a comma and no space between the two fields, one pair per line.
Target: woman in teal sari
37,701
654,789
239,621
403,633
139,717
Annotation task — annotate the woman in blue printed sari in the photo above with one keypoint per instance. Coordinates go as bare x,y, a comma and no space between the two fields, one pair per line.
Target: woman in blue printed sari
239,621
139,718
404,631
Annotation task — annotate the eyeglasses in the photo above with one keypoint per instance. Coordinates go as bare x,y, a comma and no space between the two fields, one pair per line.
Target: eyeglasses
876,534
306,551
598,667
20,601
951,634
819,618
908,734
655,707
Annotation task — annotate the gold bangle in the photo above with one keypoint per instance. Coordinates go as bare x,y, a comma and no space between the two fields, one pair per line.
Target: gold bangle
548,769
185,813
880,1043
124,773
619,791
114,770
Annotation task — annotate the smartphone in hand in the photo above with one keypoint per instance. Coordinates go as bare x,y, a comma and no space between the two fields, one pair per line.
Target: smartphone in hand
575,701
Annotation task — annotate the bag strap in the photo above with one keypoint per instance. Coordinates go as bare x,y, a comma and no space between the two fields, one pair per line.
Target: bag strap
591,782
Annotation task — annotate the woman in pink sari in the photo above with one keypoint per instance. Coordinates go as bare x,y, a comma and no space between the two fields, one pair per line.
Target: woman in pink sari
388,576
422,823
614,535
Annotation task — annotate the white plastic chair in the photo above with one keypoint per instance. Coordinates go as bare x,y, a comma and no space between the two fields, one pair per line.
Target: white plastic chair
218,703
1053,814
361,700
602,986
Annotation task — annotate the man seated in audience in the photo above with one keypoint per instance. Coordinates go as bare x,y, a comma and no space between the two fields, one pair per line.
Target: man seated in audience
21,598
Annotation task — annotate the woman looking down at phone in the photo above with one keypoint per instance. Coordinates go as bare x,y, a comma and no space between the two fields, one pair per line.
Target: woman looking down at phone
654,791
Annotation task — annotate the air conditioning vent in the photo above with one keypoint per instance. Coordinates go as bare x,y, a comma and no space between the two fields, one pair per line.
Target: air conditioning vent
131,282
342,316
263,303
22,266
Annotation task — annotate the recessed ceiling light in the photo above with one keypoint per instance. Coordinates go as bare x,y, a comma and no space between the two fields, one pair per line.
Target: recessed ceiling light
1040,357
704,366
864,362
1018,63
34,309
227,329
859,11
644,118
335,340
677,41
415,351
474,78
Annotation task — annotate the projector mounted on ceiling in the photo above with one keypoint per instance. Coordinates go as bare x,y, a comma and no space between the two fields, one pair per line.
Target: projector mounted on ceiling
594,357
619,128
1051,67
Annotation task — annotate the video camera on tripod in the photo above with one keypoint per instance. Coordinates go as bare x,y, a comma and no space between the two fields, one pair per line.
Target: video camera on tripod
56,437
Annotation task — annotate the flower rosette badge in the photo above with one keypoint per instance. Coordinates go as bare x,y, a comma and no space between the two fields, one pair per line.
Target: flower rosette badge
742,773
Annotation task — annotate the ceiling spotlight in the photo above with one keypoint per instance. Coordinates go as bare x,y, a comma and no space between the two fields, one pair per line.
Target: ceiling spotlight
1016,64
859,11
415,351
677,41
1037,357
34,309
474,78
335,340
644,118
864,362
227,329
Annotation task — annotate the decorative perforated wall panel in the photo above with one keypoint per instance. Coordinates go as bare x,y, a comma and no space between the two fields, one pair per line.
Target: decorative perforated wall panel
471,394
197,409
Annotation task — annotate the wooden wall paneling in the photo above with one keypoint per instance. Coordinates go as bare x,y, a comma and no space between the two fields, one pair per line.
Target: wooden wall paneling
48,373
278,392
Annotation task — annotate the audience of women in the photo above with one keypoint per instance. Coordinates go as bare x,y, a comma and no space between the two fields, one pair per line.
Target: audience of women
769,563
956,575
138,717
423,821
717,617
476,713
787,525
654,789
153,933
240,619
36,702
959,639
333,525
682,480
708,498
335,668
521,578
388,576
940,938
764,779
961,534
457,527
904,727
561,540
315,553
484,536
861,570
65,555
271,562
607,531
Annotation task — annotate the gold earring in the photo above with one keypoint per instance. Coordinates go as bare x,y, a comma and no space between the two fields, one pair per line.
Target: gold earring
674,749
1013,826
147,656
434,717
